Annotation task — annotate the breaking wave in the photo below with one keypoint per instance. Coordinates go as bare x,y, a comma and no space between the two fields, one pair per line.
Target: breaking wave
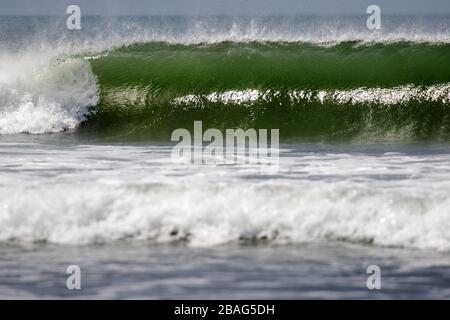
310,77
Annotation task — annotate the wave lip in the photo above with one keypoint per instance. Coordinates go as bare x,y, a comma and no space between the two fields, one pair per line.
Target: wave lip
106,33
206,68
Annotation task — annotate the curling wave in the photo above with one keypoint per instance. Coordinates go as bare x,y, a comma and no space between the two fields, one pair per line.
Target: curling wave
311,77
305,90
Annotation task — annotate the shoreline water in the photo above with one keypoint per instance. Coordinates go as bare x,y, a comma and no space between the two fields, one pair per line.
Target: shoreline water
139,271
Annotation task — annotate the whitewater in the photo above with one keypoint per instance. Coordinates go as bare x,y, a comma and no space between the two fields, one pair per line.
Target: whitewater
99,194
86,174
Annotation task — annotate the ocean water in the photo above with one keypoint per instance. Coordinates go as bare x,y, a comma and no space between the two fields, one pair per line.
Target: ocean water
86,175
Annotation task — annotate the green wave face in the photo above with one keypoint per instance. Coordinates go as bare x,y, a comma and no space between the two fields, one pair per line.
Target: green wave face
307,91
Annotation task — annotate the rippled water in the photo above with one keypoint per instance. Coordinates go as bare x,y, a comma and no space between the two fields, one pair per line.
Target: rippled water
315,271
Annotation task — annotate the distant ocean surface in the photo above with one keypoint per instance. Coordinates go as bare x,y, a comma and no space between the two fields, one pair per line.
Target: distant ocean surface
86,175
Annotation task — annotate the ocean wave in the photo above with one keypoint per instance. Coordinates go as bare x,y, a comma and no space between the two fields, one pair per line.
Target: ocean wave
400,91
139,73
207,215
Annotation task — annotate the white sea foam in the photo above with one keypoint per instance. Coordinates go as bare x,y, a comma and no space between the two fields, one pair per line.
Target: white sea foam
381,96
80,195
327,30
41,94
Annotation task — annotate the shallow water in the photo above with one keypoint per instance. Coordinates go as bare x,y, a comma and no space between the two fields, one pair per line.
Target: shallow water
141,271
